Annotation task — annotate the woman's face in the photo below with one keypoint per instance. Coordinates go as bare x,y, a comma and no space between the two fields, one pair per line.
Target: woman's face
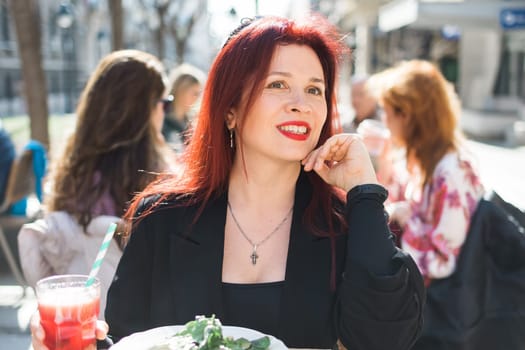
189,96
287,117
395,122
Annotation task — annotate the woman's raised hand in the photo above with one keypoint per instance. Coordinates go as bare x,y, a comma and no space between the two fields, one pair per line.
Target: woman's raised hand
38,334
342,161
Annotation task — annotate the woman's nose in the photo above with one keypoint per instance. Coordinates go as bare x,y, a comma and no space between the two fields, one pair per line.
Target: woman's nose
298,103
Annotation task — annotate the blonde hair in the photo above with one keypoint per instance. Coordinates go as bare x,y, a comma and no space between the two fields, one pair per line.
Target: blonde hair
183,77
418,90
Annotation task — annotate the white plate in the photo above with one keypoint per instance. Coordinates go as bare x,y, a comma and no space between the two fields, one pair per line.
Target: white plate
148,339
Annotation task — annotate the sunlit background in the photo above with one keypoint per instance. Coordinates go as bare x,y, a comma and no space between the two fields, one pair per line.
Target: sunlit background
225,14
479,45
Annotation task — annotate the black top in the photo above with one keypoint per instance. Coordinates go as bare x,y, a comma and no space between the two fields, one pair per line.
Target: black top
171,270
253,306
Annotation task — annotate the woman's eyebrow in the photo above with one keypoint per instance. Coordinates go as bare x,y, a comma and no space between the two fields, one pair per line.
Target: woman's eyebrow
286,74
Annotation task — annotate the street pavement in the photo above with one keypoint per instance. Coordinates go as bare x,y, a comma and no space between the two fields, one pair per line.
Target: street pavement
502,169
16,308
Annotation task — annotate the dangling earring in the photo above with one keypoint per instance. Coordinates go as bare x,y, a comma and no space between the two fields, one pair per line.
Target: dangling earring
231,138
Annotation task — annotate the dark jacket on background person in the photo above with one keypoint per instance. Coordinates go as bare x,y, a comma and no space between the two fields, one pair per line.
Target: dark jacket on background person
481,305
7,155
171,271
175,132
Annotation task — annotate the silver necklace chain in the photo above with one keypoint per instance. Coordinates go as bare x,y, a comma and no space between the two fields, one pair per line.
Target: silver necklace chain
254,256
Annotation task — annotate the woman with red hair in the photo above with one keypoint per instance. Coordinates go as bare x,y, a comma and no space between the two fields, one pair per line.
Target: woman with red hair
434,186
275,222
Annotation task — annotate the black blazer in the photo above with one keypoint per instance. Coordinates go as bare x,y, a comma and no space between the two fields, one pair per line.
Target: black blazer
171,271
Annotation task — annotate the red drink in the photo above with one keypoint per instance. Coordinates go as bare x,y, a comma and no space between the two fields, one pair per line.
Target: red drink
68,312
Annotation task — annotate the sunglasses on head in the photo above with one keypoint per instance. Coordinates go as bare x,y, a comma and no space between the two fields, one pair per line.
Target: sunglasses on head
166,103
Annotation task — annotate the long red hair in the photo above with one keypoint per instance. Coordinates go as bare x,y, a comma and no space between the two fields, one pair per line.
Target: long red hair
240,68
417,89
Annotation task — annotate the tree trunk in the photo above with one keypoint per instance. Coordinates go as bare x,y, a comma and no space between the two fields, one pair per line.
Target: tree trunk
27,24
180,46
117,37
161,30
181,40
181,30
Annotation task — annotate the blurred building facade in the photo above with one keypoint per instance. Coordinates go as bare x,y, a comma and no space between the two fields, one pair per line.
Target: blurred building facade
76,34
479,45
72,41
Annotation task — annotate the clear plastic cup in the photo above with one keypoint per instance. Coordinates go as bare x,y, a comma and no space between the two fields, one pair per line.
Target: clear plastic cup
375,135
68,311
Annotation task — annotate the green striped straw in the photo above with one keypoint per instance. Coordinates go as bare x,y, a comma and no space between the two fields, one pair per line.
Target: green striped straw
101,254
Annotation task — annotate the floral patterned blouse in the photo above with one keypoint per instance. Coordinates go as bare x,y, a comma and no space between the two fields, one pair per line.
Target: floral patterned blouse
440,214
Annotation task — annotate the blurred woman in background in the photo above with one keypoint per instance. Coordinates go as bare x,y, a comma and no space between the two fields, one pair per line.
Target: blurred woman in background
434,188
185,89
114,152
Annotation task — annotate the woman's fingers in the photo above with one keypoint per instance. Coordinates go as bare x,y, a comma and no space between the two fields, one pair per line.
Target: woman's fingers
309,159
337,148
329,151
342,161
101,330
334,149
37,332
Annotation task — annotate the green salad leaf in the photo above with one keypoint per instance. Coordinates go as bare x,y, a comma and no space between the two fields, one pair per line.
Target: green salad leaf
205,333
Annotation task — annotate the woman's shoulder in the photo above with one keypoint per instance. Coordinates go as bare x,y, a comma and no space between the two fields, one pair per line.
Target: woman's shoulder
55,223
457,169
166,215
159,209
99,224
455,161
62,225
161,202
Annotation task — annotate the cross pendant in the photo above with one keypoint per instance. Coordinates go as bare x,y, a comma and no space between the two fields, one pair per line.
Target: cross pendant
254,255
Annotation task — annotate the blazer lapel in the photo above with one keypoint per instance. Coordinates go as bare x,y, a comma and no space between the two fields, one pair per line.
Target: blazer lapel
307,272
196,262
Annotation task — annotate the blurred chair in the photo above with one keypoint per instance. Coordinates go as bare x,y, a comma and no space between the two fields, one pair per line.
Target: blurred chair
20,184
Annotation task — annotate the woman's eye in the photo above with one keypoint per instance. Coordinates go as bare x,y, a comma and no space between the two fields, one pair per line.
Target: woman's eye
315,91
276,85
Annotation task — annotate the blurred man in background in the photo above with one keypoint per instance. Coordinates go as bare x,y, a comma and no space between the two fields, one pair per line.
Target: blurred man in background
363,102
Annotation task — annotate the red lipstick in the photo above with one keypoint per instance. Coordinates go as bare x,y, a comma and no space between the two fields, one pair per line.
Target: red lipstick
295,130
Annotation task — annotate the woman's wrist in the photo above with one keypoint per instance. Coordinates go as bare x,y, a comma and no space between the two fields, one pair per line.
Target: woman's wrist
369,244
372,189
365,177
